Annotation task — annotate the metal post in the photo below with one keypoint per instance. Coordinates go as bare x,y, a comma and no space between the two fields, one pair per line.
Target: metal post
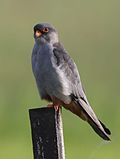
47,133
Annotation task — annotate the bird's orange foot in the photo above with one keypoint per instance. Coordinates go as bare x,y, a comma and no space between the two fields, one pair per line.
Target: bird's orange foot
50,105
56,106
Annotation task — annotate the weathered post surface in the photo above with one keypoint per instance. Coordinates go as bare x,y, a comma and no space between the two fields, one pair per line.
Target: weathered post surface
47,133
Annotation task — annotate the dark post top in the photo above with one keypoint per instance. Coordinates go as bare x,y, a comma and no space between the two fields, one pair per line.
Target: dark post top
47,133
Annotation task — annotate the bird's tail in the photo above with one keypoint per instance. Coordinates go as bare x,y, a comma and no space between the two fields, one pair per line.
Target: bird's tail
96,124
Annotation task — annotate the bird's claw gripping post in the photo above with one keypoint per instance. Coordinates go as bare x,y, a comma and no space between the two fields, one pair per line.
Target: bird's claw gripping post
56,106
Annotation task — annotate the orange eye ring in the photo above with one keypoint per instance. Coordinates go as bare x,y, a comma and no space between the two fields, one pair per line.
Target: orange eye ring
45,30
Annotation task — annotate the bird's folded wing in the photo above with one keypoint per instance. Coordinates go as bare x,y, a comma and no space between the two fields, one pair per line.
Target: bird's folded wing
69,68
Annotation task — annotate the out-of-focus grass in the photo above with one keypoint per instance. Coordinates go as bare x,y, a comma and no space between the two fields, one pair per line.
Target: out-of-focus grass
90,32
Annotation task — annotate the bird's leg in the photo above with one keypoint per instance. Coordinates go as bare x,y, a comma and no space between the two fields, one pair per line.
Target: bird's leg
50,105
56,107
56,103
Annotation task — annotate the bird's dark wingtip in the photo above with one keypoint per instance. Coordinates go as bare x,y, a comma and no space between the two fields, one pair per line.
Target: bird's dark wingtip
100,132
105,128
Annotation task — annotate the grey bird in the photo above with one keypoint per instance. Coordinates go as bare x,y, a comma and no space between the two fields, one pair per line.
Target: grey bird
58,80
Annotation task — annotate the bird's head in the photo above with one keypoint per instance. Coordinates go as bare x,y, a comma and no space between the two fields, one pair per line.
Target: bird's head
45,33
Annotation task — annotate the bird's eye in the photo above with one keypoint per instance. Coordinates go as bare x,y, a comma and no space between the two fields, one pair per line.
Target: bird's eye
45,30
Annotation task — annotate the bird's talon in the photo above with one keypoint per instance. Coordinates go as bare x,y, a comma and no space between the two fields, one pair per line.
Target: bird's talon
50,105
56,107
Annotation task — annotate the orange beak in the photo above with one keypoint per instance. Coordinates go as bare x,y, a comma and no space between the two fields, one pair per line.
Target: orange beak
38,33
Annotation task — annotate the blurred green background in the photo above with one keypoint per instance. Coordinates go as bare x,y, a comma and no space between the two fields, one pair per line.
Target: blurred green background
90,32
